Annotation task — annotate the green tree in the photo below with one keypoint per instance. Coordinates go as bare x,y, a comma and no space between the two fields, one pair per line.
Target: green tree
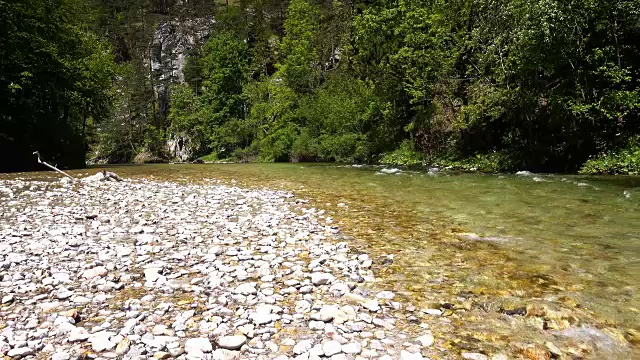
55,76
300,67
552,82
225,67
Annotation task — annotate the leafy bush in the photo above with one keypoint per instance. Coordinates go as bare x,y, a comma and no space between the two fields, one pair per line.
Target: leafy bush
245,155
492,162
305,148
623,161
213,157
277,145
349,147
338,115
405,155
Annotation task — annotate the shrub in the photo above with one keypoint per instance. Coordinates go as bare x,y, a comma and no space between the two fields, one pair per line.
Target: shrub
305,148
405,155
623,161
213,157
277,145
491,162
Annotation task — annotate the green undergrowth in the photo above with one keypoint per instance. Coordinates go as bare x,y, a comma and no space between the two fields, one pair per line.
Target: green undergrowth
490,163
209,158
405,155
625,161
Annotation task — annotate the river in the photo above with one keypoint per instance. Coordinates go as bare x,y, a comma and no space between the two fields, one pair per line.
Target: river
511,261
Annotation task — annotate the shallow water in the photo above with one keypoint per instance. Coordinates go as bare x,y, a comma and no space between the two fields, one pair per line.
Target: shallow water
475,245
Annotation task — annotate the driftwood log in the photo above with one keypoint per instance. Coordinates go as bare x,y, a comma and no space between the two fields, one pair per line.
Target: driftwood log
108,176
51,166
103,175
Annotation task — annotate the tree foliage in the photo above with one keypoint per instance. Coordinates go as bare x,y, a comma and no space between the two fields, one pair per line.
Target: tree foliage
55,76
491,84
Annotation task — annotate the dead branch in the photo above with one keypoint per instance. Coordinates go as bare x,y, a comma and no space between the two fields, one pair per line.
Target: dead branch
51,166
110,176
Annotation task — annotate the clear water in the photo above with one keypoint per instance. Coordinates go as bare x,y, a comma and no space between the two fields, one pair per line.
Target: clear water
483,243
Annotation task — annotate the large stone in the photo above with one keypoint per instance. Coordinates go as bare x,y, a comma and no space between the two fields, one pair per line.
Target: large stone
161,329
352,348
157,342
195,355
371,305
474,356
201,344
78,334
331,347
232,342
224,354
387,295
128,327
316,325
302,347
123,346
100,341
382,323
95,272
62,277
48,306
152,274
20,352
321,278
63,294
340,288
263,315
328,312
60,356
425,340
303,307
136,352
246,289
355,298
405,355
434,312
4,347
161,355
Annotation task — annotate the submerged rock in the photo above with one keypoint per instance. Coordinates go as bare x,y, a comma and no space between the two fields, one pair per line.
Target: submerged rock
595,337
425,340
474,356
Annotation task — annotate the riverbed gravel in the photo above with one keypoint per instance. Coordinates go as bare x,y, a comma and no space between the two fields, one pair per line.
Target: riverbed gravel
148,269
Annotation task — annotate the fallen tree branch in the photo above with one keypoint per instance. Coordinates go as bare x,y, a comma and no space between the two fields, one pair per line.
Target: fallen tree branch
103,175
109,175
51,166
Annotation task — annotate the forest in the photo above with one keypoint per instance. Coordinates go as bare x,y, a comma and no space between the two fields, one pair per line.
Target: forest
488,85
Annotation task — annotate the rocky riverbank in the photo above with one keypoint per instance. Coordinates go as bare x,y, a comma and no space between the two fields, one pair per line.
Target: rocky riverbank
141,269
